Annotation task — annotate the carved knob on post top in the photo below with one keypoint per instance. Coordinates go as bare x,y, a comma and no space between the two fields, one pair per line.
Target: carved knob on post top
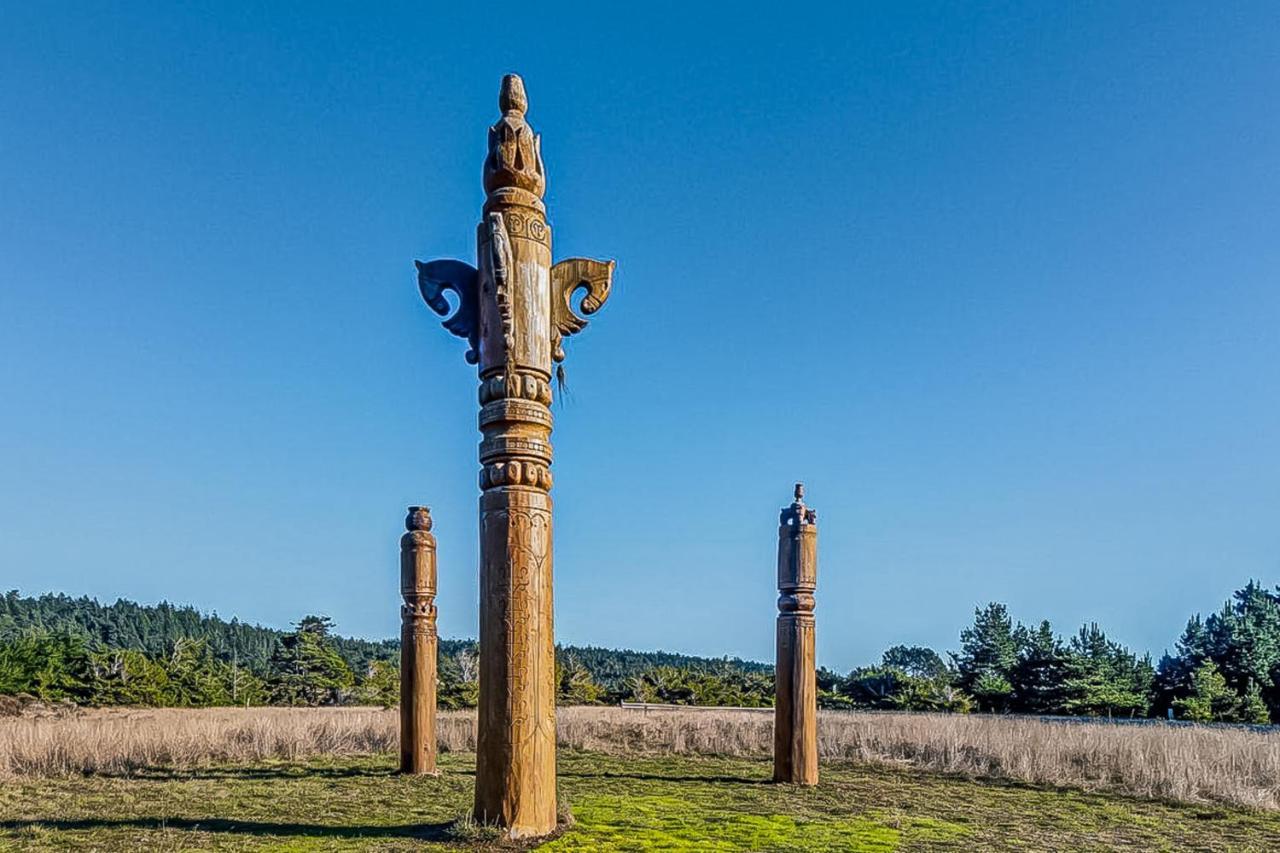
417,559
419,518
797,554
512,97
515,151
798,514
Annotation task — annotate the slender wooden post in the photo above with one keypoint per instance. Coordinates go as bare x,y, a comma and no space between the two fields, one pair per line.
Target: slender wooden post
515,307
795,732
418,643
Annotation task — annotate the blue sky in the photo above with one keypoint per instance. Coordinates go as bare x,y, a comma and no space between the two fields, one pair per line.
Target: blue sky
999,282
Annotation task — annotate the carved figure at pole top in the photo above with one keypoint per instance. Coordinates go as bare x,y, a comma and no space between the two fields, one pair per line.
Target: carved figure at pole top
798,513
515,308
514,178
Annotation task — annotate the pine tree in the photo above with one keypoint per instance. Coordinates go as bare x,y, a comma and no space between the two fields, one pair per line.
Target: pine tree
915,661
1210,699
1245,642
306,669
48,665
1105,678
1253,709
574,684
1242,640
129,677
1039,673
380,685
989,651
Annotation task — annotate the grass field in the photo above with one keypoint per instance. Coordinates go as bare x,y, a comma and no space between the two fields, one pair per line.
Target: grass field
1191,764
618,803
322,779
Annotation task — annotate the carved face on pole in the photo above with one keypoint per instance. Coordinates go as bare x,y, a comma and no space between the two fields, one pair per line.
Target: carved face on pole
514,309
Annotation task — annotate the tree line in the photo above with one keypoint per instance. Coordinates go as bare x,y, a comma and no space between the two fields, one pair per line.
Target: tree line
1224,668
58,648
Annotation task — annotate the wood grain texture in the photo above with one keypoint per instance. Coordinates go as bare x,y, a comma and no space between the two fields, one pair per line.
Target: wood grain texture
520,314
795,731
418,642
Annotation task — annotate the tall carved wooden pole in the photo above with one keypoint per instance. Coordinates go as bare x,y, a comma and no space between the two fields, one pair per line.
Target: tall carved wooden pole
418,643
795,726
514,309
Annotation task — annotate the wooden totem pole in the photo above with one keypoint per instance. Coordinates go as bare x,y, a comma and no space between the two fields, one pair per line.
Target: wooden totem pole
418,643
795,726
514,308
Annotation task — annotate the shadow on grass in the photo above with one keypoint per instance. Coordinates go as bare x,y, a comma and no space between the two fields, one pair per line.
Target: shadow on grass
421,831
165,774
287,772
659,777
308,772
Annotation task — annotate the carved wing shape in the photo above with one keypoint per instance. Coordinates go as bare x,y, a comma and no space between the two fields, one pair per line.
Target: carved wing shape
567,277
434,278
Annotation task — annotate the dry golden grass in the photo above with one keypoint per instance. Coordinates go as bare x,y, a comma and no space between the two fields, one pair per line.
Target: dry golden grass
1182,763
1192,764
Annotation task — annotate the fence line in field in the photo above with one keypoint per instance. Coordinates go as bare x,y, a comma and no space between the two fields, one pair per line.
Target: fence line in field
661,706
1043,718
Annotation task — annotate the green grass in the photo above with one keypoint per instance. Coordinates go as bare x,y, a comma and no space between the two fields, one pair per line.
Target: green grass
668,803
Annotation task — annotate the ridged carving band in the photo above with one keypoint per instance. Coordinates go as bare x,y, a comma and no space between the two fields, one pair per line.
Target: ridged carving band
515,386
500,446
516,472
418,610
801,602
521,411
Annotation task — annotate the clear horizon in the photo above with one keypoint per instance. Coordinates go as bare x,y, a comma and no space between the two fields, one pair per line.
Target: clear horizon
1001,285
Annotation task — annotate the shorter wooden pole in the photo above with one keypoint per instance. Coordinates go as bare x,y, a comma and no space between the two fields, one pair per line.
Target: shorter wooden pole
795,727
418,643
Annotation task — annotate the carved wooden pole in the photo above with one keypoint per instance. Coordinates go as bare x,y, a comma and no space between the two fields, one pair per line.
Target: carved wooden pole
795,727
514,309
418,644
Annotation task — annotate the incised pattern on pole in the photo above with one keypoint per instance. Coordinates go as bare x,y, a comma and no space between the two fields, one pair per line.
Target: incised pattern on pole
515,308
